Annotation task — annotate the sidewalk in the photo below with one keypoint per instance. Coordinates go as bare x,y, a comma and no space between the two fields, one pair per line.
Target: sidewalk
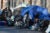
4,29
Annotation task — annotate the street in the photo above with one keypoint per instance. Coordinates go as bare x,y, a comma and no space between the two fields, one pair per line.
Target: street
4,29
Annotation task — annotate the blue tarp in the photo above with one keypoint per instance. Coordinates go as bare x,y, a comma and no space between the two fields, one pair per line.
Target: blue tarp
33,10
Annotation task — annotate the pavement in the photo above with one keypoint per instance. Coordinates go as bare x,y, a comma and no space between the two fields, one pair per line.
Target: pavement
6,29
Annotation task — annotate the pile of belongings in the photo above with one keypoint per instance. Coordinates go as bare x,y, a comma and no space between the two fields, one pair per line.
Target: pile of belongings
32,13
32,17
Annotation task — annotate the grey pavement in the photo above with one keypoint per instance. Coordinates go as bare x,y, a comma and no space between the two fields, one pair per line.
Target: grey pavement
4,29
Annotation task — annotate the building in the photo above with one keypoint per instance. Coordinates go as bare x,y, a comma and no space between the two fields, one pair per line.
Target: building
48,5
14,3
3,4
0,4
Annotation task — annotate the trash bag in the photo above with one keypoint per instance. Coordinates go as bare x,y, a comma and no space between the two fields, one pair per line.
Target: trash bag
44,25
18,21
7,14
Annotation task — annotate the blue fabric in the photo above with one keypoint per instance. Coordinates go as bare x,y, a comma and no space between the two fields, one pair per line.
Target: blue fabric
24,10
33,10
2,23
